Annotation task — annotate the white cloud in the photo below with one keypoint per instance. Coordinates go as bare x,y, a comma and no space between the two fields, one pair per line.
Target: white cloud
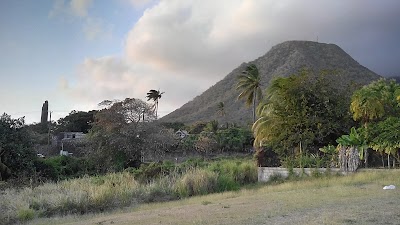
75,8
183,47
80,7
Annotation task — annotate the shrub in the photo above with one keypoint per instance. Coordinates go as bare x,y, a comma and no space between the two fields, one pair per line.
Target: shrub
62,167
196,182
25,214
239,171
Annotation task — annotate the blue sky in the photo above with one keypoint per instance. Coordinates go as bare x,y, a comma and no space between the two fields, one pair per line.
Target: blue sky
76,53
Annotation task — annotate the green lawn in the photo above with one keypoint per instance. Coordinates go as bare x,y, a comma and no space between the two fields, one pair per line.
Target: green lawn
352,199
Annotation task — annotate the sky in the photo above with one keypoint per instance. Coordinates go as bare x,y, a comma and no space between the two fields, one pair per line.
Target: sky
77,53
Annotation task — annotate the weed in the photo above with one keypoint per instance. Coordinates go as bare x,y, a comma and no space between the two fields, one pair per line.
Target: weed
25,214
206,202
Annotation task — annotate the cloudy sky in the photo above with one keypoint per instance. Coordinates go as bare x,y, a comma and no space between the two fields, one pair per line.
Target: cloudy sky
76,53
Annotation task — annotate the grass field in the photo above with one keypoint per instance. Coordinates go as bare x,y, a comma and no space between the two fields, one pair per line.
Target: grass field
353,199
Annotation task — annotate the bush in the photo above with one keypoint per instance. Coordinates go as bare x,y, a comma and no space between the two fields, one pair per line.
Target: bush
25,214
152,171
62,167
240,172
196,182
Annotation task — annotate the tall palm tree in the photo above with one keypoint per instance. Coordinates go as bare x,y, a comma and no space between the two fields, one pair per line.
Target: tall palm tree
249,83
155,96
368,104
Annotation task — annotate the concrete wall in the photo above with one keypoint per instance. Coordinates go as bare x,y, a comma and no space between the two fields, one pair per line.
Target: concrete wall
264,173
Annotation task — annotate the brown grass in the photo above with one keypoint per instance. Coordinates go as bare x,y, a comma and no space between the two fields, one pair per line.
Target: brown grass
353,199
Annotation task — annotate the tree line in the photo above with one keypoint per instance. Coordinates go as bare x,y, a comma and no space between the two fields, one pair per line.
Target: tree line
305,117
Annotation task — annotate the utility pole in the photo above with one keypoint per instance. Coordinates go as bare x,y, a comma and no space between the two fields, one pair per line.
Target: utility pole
49,124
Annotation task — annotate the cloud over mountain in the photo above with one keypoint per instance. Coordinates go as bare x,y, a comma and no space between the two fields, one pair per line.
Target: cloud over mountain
183,47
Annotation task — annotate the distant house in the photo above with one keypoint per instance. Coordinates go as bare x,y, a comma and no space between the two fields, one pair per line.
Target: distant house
182,134
71,135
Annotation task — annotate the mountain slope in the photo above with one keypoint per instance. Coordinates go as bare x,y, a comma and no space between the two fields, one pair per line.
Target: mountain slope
282,60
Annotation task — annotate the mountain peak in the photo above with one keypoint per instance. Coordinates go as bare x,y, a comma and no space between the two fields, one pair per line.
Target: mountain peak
282,60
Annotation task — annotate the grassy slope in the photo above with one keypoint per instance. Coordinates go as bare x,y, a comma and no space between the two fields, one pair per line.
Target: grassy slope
354,199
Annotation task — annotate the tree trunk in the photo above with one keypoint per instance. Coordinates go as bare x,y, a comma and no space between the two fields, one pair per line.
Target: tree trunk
383,161
254,106
366,154
348,159
388,162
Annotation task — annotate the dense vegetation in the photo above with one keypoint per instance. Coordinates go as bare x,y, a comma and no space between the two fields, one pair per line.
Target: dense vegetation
303,117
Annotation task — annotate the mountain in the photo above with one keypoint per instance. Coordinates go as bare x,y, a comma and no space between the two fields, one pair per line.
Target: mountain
397,79
284,60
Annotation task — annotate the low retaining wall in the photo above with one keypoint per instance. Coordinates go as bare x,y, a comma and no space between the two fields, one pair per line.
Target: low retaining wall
264,173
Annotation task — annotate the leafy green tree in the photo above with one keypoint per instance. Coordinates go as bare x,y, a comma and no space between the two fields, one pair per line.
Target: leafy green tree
301,113
76,121
234,139
155,96
385,137
212,126
249,83
117,135
373,103
16,152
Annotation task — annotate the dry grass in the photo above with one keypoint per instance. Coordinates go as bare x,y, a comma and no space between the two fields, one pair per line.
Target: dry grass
353,199
116,191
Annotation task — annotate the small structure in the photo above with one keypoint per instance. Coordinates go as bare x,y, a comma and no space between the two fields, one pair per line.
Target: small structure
71,135
182,134
66,153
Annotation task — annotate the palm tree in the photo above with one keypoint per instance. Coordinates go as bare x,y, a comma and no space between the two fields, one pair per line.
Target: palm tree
154,95
368,104
249,83
221,109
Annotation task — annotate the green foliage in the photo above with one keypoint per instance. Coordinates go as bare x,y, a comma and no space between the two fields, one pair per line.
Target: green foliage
63,167
249,83
189,143
212,126
307,161
152,171
197,128
16,153
331,153
234,139
25,214
302,112
385,136
375,101
197,182
352,139
76,121
377,106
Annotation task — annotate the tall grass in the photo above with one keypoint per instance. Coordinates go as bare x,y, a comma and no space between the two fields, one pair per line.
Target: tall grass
115,190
